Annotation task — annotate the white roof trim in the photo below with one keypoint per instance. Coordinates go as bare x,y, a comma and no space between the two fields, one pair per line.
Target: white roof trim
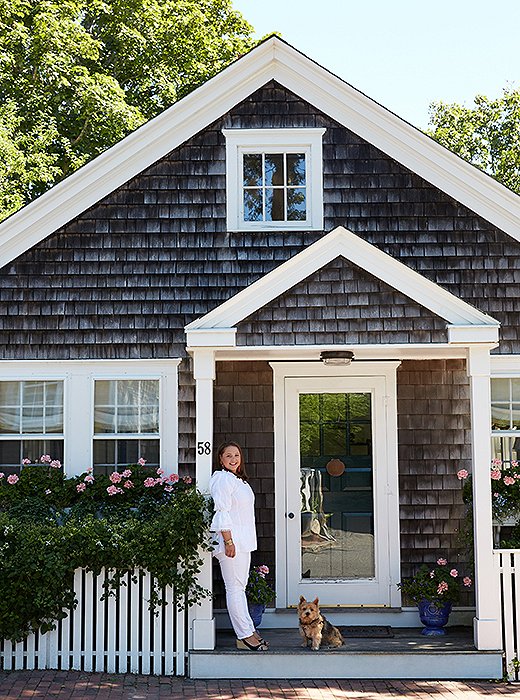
273,59
341,242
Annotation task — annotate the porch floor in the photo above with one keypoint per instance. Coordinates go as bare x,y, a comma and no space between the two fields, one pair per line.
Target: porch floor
408,654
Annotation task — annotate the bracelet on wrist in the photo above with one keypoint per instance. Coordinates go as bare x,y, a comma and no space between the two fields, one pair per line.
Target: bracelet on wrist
228,542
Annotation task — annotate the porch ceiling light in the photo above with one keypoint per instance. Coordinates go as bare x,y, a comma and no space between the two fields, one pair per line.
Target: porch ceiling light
337,357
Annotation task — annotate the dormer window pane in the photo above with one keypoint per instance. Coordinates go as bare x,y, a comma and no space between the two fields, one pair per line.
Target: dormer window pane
252,170
296,204
296,169
274,205
274,174
253,205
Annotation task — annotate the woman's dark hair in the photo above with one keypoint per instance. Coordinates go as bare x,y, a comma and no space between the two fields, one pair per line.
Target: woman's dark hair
241,471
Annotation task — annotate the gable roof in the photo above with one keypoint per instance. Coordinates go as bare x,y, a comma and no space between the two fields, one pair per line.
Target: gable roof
459,315
273,59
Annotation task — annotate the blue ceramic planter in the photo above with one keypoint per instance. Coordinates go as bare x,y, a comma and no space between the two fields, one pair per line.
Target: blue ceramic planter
434,618
256,610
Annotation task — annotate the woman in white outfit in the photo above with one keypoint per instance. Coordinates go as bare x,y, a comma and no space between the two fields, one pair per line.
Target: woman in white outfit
234,523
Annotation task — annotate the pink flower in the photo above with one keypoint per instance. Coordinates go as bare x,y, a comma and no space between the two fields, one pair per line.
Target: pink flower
127,474
115,477
509,481
187,479
149,482
89,470
2,475
462,474
168,488
89,479
466,581
263,569
443,586
55,464
80,487
441,562
113,490
45,459
174,478
160,472
454,573
496,474
128,485
495,495
496,462
141,461
514,463
26,461
13,479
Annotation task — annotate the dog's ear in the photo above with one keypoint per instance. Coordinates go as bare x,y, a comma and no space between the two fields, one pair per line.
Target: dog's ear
302,599
316,601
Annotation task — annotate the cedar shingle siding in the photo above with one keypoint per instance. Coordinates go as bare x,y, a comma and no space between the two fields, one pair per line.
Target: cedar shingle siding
123,279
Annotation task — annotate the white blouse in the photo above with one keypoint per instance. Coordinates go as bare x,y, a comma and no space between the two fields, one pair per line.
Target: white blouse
234,511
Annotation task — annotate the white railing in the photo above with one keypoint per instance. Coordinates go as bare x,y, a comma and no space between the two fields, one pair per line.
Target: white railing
116,635
509,567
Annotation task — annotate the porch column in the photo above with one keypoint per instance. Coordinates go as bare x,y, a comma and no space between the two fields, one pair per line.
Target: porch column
487,622
203,622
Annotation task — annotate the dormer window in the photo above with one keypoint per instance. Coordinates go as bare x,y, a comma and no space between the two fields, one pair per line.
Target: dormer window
274,179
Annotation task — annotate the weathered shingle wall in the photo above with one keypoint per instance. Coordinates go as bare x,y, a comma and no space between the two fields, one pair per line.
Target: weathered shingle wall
341,303
243,410
434,443
123,279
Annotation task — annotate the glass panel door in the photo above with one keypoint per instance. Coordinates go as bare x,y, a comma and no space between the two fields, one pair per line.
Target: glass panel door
337,501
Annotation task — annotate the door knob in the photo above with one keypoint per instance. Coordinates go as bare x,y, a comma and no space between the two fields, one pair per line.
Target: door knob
290,515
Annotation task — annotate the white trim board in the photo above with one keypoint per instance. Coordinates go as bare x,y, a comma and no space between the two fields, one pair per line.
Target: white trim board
341,242
273,59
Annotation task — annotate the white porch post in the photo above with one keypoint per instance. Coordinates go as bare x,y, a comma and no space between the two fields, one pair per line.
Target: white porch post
203,622
487,621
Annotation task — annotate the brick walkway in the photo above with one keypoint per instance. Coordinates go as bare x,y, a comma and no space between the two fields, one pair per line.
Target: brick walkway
102,686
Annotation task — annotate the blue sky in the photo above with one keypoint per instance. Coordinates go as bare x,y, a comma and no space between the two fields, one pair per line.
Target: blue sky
403,53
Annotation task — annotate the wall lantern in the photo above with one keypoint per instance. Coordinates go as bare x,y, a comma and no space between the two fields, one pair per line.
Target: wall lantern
337,357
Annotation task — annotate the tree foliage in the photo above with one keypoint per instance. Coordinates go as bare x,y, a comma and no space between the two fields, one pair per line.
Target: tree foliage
76,76
486,134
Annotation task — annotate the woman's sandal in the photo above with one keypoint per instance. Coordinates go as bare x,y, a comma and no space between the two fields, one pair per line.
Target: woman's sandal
242,644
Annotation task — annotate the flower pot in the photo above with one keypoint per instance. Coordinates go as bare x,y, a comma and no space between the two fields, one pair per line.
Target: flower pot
433,617
256,610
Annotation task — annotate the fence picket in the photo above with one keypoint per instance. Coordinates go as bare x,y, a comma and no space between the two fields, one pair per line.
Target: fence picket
100,622
133,611
124,612
77,619
145,630
8,655
31,651
169,632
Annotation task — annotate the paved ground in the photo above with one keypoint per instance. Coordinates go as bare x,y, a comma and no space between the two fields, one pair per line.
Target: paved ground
101,686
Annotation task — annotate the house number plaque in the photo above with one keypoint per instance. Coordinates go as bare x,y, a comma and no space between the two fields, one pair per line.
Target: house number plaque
204,448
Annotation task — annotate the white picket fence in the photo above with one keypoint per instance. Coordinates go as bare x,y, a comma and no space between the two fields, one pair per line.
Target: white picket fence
116,635
508,561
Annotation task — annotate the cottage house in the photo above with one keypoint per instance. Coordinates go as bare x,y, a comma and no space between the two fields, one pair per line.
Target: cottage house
280,260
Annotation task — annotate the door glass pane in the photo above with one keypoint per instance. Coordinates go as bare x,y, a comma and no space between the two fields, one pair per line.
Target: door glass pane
337,505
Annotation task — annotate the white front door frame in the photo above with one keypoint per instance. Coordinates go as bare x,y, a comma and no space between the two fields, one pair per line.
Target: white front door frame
385,371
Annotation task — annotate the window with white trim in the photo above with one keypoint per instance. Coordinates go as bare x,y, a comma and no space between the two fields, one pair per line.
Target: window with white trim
505,419
31,422
126,423
274,179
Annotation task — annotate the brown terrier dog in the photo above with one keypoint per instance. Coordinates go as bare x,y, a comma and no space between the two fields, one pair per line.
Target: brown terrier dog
315,628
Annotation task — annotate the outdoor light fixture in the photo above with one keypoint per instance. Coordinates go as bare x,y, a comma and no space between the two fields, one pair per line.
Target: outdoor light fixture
337,357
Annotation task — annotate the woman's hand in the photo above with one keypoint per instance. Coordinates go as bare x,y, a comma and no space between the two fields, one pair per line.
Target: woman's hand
230,550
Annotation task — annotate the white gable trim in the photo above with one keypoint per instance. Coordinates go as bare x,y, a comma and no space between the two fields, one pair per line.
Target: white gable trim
341,242
273,59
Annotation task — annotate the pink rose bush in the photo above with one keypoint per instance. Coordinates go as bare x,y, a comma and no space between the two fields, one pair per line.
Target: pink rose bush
258,591
437,584
505,479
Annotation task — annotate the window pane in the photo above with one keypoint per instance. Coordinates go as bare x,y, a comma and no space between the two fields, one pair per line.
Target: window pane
104,420
110,455
53,394
296,169
32,393
500,390
516,415
515,389
10,453
128,392
359,405
309,407
9,420
54,419
149,392
32,419
253,205
309,439
149,420
252,169
105,393
334,440
334,407
127,420
274,205
274,169
296,204
360,440
500,416
10,393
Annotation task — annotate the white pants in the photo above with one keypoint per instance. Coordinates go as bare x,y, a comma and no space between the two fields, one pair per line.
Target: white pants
235,572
